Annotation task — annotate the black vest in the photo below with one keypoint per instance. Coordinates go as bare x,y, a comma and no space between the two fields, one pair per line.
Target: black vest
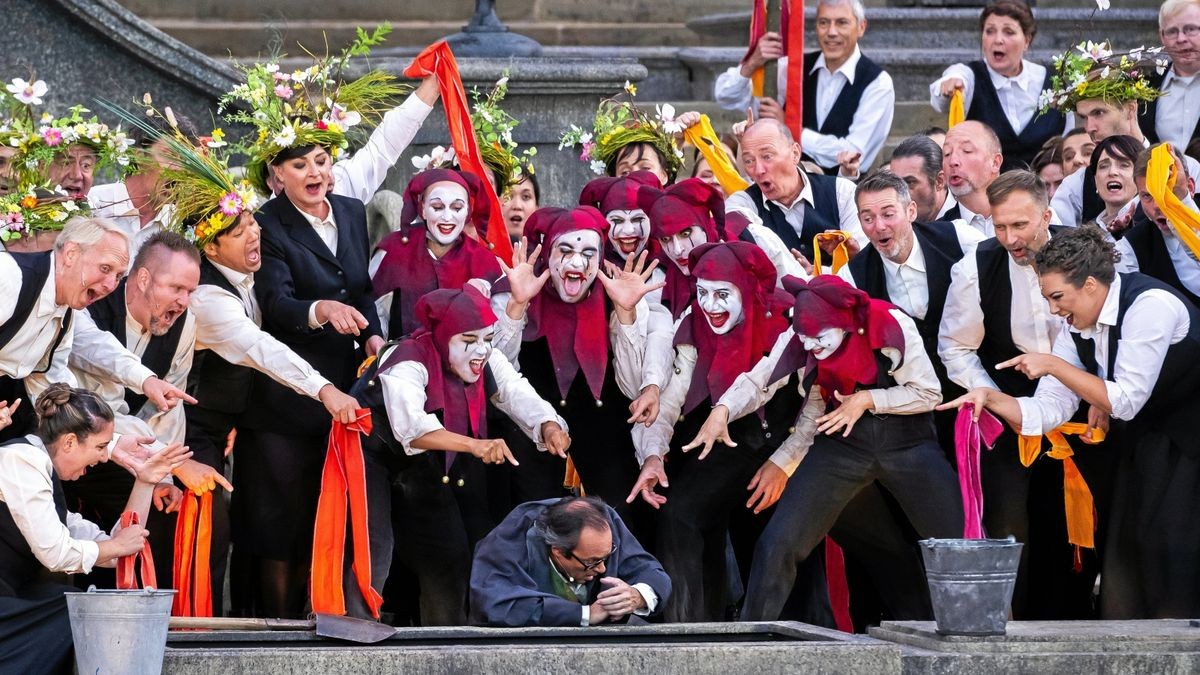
1147,113
954,213
824,214
1019,149
995,299
845,106
35,270
18,565
1173,405
940,247
216,383
1153,259
110,314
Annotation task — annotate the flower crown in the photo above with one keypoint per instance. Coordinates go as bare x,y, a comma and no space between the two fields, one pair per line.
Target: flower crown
313,106
1093,71
32,209
493,133
206,198
620,123
40,139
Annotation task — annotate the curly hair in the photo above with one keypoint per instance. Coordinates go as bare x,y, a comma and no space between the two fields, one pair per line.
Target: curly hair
1079,253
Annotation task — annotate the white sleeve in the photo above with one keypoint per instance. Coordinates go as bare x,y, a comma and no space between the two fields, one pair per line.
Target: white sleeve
383,304
10,286
793,449
1128,262
1155,321
628,343
171,426
868,131
776,251
942,103
222,326
732,91
660,338
1068,199
655,440
516,398
961,331
1052,403
917,389
361,175
404,399
509,334
752,389
25,486
99,351
848,212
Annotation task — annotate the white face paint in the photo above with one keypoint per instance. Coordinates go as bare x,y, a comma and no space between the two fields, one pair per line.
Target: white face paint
469,352
628,231
823,344
678,246
722,304
574,262
445,209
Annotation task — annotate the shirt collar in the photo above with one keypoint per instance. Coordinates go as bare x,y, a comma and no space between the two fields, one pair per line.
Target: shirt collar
846,68
916,259
319,222
1171,76
132,327
573,585
238,279
947,205
806,195
1024,80
1108,312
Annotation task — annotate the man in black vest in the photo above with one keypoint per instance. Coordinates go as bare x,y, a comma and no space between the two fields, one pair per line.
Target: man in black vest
1152,246
1175,118
994,312
971,158
793,204
148,314
918,160
848,99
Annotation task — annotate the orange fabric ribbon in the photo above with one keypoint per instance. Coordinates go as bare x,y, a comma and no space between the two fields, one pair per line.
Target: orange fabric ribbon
841,254
571,478
958,111
193,568
1080,507
126,572
438,60
343,484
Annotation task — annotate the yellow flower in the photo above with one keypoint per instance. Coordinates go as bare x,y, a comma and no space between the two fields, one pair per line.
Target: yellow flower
630,88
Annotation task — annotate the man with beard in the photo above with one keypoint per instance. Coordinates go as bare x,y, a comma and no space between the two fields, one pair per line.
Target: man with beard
918,160
972,160
148,313
994,312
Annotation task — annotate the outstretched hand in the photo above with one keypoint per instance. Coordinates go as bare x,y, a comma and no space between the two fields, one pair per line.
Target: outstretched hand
523,283
162,463
716,428
977,398
644,408
651,476
766,487
627,285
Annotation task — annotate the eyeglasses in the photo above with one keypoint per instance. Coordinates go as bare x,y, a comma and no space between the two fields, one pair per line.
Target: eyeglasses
589,566
1173,32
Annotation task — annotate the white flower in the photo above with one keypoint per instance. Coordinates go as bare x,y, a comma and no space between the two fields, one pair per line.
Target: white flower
666,114
285,137
1102,4
340,116
299,76
70,206
1161,65
272,67
421,162
597,167
29,93
1104,73
502,81
585,138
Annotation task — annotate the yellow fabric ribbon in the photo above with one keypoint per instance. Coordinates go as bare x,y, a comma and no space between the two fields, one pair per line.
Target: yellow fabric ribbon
1080,507
958,112
1160,180
841,255
705,138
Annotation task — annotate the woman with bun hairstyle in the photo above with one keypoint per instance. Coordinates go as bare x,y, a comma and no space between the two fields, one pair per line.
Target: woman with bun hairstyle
40,541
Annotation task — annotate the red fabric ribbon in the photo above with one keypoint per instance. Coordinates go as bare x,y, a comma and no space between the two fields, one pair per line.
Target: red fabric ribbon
838,587
438,60
126,573
193,570
794,47
343,484
968,434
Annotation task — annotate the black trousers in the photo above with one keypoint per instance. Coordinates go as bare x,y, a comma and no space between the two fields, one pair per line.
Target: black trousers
900,451
277,482
35,631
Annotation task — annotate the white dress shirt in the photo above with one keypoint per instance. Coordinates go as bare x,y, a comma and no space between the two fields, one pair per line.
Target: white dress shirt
907,282
872,121
112,201
949,203
166,427
794,213
326,229
1018,95
1033,327
1068,199
27,488
224,325
1176,113
1186,266
1154,321
405,393
360,175
916,391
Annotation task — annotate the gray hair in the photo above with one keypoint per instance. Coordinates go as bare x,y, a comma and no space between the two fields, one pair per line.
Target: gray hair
927,149
87,232
779,127
560,524
856,7
879,181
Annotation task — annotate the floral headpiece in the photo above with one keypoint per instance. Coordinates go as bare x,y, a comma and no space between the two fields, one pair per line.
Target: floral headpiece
493,133
206,198
308,107
39,139
1092,70
32,209
619,123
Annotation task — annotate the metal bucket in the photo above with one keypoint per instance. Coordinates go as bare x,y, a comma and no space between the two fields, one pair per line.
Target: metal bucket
971,583
120,632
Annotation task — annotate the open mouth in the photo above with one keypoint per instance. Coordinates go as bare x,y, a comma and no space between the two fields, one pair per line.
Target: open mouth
91,296
573,283
314,189
627,244
1017,253
476,366
884,242
253,256
446,229
1114,186
516,219
682,263
1070,319
956,180
999,55
717,320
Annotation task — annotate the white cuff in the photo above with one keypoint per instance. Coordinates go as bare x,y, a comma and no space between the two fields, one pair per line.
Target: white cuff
649,596
312,317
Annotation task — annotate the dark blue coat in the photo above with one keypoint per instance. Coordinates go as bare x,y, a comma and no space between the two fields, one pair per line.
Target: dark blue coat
510,578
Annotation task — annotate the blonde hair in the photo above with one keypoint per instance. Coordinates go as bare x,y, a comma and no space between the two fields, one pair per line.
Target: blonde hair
87,232
1172,7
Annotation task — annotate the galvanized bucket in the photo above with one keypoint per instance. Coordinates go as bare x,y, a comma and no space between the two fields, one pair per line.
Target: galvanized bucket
971,583
120,632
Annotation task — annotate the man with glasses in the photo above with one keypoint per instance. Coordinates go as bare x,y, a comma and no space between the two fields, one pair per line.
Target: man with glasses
1173,118
564,562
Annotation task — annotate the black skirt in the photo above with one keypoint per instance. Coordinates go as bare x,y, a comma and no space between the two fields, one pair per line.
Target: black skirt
35,631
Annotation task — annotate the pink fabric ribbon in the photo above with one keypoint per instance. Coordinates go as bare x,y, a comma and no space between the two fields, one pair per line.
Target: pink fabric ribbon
968,434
